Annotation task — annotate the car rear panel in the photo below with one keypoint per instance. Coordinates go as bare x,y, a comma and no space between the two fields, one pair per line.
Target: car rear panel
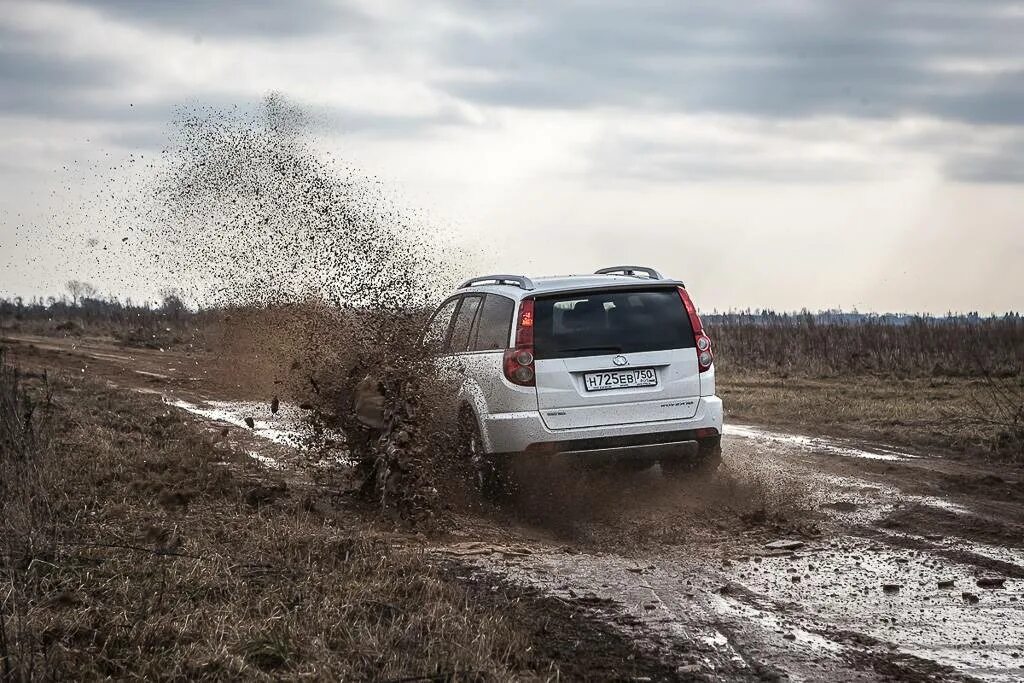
591,331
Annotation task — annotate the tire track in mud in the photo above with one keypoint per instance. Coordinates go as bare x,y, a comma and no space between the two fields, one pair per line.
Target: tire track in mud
709,615
853,612
693,583
688,605
703,607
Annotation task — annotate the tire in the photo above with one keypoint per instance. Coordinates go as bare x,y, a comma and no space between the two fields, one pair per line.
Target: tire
483,469
701,465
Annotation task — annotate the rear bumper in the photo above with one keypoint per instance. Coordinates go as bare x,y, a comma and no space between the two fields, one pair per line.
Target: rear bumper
593,453
525,432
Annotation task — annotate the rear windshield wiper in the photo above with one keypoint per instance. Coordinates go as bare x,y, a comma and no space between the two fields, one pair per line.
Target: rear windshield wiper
609,349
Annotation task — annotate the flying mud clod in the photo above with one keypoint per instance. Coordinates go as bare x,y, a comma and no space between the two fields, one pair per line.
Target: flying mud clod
326,285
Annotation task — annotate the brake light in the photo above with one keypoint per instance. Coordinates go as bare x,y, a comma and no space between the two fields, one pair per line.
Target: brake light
518,361
705,356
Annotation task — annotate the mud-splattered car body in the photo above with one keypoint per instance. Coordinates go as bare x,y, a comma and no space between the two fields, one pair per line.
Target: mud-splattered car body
610,365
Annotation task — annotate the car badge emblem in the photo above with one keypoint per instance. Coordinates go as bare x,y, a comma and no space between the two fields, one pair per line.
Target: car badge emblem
620,360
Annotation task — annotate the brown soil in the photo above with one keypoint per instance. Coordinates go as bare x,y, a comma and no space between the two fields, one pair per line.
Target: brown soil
630,574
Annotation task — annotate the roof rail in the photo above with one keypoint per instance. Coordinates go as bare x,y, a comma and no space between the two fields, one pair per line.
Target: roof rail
632,271
520,281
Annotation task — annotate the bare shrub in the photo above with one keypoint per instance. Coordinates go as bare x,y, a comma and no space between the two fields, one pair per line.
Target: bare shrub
1000,408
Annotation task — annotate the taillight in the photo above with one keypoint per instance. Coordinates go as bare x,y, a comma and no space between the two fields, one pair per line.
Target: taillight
705,356
518,361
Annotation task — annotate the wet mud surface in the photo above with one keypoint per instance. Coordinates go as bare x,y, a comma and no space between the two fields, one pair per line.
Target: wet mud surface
806,558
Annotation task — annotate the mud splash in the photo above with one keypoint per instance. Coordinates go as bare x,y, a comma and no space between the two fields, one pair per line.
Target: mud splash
248,211
323,282
847,599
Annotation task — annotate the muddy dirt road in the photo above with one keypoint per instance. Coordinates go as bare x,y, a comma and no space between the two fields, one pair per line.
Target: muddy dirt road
806,558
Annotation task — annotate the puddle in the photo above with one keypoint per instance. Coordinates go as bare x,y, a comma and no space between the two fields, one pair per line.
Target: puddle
893,595
993,552
285,428
940,503
813,444
716,639
1010,556
681,598
856,499
111,357
777,623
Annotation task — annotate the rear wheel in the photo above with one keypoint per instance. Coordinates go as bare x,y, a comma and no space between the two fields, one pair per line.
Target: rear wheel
703,463
482,468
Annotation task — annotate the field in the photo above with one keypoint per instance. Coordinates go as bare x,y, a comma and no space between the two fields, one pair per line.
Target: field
956,387
141,539
136,544
952,387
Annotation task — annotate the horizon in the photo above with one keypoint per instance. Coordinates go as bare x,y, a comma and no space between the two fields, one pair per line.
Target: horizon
154,303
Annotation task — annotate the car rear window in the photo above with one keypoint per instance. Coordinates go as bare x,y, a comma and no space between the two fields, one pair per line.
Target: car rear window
612,321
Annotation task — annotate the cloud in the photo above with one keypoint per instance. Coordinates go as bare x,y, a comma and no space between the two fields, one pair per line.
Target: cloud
999,164
34,81
46,84
262,18
645,159
760,71
777,59
54,70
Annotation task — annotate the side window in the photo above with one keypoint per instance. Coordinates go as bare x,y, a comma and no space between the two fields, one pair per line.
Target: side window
436,334
494,324
459,340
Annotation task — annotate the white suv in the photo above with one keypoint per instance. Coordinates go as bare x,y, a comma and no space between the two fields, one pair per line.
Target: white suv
614,365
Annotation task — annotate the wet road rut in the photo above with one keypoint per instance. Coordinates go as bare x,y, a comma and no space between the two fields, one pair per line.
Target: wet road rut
806,558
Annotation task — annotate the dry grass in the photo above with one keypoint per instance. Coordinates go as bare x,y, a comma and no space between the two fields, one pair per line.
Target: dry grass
953,386
797,346
943,414
27,519
156,560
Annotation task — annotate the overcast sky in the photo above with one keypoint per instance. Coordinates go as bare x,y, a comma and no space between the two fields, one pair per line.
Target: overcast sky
780,154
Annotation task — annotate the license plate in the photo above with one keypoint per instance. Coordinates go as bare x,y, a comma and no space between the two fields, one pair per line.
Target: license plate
620,379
